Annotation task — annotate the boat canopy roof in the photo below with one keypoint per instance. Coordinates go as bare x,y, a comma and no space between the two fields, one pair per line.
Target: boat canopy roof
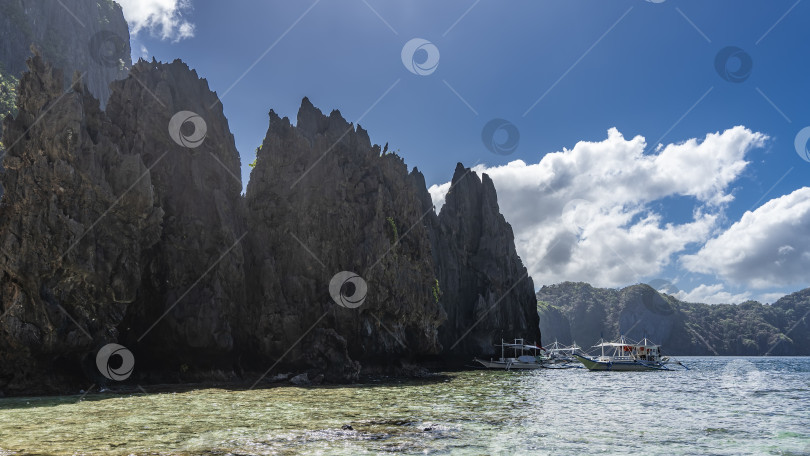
624,342
558,347
524,346
520,345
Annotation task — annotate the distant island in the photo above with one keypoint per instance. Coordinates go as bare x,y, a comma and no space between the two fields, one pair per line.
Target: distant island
576,311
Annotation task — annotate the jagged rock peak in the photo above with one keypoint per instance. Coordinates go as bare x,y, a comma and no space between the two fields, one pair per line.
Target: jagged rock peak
323,183
485,284
311,122
198,185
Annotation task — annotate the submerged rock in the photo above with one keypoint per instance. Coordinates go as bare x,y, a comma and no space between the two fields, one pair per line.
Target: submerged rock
301,380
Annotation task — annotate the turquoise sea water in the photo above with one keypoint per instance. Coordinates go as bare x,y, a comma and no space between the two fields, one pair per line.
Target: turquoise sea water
721,406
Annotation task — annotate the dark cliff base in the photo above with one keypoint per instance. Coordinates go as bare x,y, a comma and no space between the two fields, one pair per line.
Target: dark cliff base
160,382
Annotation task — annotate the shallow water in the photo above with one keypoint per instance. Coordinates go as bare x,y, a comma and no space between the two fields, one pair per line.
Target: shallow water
720,406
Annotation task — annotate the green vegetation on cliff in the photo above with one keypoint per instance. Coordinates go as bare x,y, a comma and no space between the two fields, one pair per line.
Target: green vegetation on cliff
8,93
8,99
579,312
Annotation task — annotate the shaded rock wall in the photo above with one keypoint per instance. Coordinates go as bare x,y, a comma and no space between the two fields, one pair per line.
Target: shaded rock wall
554,324
486,290
124,225
195,272
88,36
75,221
321,200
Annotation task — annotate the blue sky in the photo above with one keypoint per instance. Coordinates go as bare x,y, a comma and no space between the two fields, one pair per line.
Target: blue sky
562,73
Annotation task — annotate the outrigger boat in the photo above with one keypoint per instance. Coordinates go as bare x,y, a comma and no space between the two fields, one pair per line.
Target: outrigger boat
624,355
526,356
561,354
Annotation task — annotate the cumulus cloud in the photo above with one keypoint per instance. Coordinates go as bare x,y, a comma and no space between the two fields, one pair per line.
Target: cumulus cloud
713,294
768,247
589,213
163,18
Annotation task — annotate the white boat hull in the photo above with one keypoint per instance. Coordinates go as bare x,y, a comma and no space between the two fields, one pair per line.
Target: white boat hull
596,365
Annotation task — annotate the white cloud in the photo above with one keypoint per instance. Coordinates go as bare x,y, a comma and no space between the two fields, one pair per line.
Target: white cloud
713,294
615,236
163,18
769,298
768,247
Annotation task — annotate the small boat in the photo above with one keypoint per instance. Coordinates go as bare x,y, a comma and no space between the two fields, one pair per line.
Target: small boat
561,354
625,355
526,356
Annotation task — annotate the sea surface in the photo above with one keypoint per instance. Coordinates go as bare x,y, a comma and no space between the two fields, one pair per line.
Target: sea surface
720,406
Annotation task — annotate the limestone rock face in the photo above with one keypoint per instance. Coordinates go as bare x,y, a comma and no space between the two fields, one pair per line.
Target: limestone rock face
486,290
128,226
590,313
76,218
88,36
322,200
194,274
554,324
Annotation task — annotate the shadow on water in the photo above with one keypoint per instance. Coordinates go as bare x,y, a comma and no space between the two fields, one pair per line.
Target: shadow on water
22,402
